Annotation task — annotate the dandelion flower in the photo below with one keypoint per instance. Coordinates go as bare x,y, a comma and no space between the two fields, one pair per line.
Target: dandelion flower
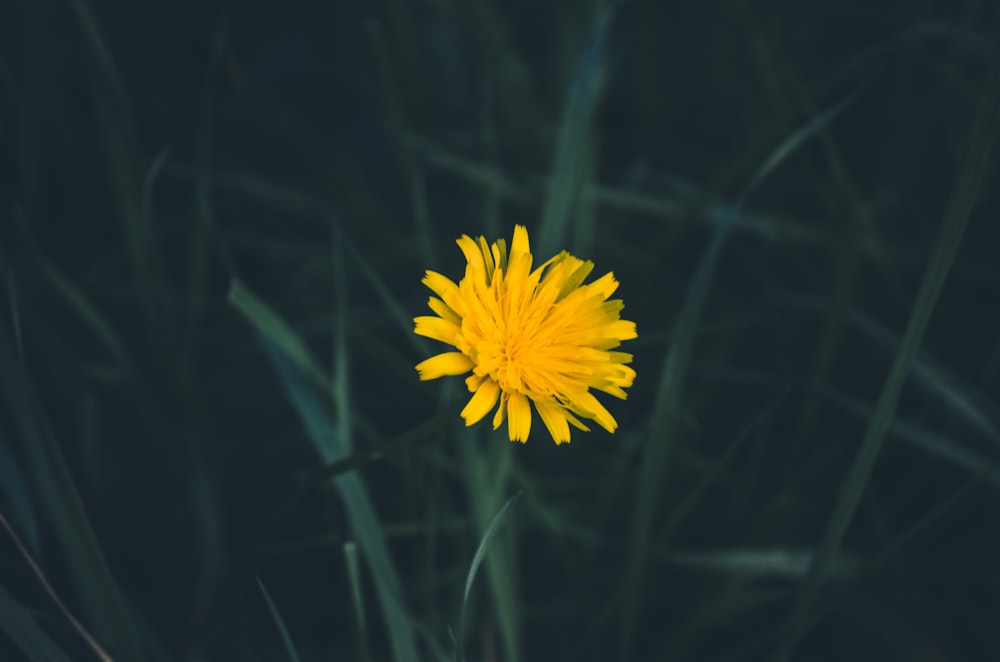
538,336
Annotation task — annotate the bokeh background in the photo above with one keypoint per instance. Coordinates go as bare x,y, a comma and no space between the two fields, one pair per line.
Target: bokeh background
214,218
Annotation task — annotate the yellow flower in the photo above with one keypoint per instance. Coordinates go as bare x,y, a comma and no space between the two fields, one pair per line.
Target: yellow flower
525,335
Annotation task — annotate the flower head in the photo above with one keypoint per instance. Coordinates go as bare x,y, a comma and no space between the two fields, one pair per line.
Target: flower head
528,335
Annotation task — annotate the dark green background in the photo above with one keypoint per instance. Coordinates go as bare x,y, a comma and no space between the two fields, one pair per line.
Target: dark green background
324,154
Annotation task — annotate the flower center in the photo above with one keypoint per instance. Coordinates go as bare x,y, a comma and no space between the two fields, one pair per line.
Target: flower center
517,365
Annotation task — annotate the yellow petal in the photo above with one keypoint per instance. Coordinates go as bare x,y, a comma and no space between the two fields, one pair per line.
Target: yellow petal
473,381
448,363
587,405
611,389
436,328
475,267
554,416
519,245
519,417
575,422
605,285
443,310
481,402
500,254
445,288
484,248
621,329
501,411
577,272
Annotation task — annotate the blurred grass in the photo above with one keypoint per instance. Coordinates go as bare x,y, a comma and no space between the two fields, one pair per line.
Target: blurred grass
665,423
53,484
19,624
160,449
966,195
574,143
332,440
488,485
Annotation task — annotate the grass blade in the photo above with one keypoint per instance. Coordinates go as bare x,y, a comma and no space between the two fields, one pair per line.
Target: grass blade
938,446
269,324
399,313
477,560
357,596
488,476
279,622
571,141
47,587
88,314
